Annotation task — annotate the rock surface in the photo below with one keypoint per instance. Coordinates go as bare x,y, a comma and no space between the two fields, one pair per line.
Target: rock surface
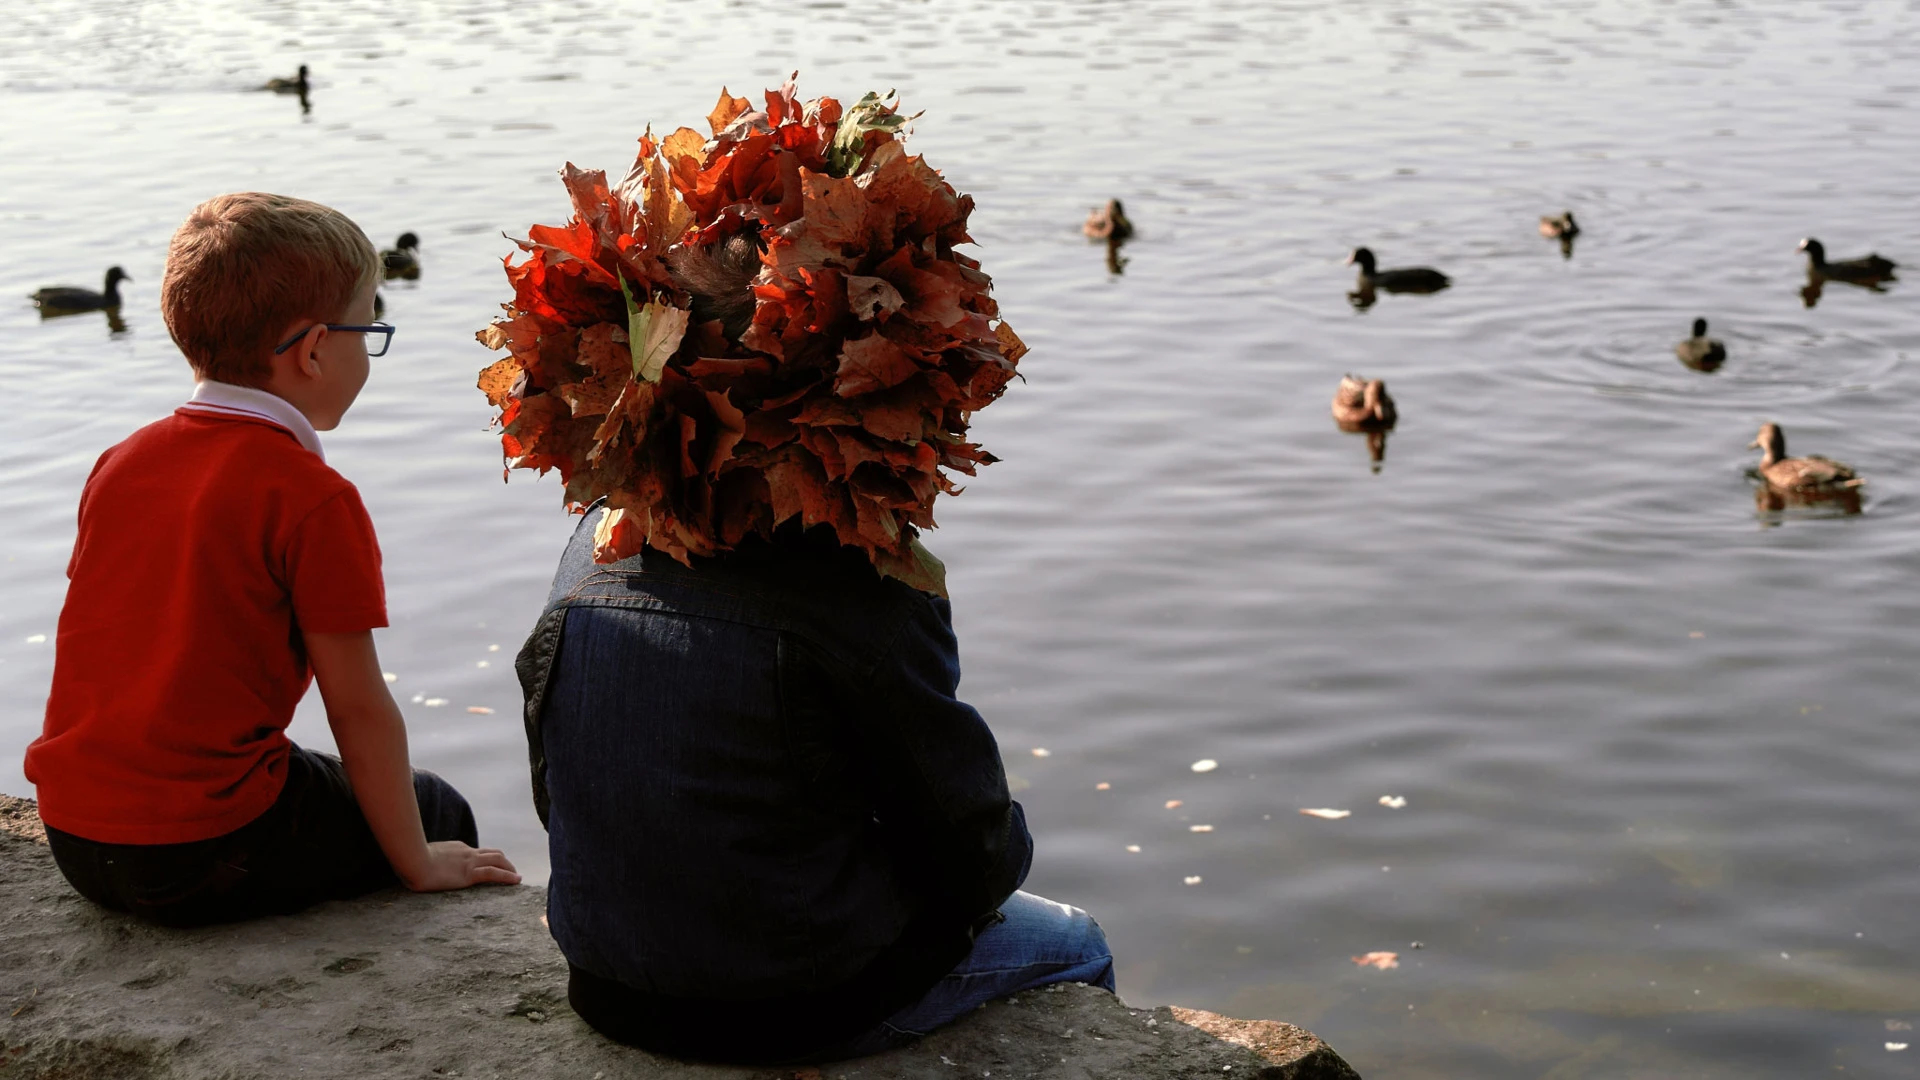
469,984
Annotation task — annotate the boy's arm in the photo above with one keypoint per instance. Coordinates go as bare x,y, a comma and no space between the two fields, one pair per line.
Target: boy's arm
373,745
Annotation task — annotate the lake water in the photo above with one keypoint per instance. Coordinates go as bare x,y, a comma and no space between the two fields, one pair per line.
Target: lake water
1657,747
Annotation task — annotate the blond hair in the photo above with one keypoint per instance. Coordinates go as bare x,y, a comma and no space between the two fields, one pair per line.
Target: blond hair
245,265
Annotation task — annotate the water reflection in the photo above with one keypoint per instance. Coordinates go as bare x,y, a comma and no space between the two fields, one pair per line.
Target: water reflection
1816,284
115,324
1772,502
1376,443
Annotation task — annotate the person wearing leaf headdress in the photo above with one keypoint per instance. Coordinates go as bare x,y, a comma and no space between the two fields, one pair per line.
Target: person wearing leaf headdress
777,833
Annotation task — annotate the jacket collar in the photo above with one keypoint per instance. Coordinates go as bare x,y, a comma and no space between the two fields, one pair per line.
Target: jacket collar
214,398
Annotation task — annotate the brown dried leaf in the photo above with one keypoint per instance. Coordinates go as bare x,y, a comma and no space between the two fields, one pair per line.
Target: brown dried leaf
496,380
595,396
726,111
872,298
1011,347
872,363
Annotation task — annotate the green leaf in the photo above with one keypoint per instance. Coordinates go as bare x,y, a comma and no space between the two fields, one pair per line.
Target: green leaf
654,331
870,113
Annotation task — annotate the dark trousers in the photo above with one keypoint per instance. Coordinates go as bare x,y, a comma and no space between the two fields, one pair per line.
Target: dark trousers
312,844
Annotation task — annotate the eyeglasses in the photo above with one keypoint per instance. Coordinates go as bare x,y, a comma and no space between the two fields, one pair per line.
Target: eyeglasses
374,348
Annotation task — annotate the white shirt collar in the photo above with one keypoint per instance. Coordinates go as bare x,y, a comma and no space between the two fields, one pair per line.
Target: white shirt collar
216,398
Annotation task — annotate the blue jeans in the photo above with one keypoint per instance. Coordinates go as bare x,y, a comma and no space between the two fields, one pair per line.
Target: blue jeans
1040,942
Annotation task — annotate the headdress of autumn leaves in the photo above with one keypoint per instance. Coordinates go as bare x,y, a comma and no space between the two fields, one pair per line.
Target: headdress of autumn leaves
840,403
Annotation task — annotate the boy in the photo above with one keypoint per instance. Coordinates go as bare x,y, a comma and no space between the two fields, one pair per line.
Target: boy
220,564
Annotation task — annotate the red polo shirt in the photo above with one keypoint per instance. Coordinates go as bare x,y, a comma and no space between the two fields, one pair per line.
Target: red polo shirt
207,545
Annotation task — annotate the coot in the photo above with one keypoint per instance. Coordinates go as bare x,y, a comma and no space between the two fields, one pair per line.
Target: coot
64,298
1867,268
1413,279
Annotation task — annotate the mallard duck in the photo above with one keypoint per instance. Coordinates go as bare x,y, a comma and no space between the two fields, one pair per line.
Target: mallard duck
1413,279
1867,268
64,298
295,85
1108,223
1701,352
1810,473
1359,404
1559,228
403,259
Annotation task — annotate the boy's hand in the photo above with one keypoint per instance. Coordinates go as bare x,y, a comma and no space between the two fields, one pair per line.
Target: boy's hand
373,746
453,865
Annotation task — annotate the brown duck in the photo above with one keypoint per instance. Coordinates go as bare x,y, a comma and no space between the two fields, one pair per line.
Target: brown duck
1562,227
1700,352
1362,404
295,85
1108,223
1812,473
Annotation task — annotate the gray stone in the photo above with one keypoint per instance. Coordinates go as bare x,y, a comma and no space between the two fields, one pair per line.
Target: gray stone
469,984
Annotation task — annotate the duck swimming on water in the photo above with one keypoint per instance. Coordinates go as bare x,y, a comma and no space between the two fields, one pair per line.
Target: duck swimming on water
62,299
295,85
1863,270
403,259
1108,223
1359,404
1362,405
1562,227
1700,352
1812,473
1411,279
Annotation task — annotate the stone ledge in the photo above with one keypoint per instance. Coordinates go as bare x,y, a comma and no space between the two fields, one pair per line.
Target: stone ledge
469,984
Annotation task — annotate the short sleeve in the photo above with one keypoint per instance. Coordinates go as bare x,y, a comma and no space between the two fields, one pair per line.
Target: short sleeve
333,568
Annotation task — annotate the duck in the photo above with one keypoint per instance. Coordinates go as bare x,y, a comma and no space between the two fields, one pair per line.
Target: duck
1361,404
1812,473
295,85
1559,228
1701,352
1867,268
1108,223
403,259
1413,279
65,298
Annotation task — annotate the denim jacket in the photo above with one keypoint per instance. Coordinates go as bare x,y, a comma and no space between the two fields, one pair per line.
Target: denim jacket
765,805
